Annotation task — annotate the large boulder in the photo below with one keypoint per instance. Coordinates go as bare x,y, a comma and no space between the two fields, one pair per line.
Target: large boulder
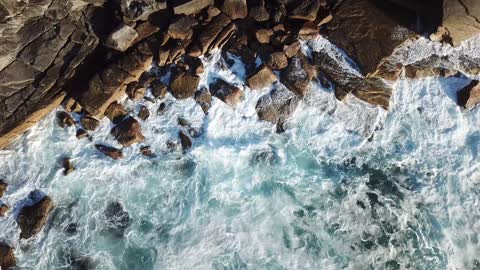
128,132
7,257
115,112
262,78
32,218
89,122
191,6
122,38
235,9
298,75
215,34
184,85
230,94
277,106
469,96
461,19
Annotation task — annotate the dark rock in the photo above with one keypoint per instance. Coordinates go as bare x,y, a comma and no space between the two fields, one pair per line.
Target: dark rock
67,166
298,75
163,107
135,91
277,106
4,209
262,78
3,187
277,61
307,10
215,34
227,93
146,151
469,96
7,257
118,219
184,85
181,28
128,132
235,9
204,99
143,113
64,119
81,133
158,89
71,228
109,151
183,122
115,112
185,140
89,123
32,218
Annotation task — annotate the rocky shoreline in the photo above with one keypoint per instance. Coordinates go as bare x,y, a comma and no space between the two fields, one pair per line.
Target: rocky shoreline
87,55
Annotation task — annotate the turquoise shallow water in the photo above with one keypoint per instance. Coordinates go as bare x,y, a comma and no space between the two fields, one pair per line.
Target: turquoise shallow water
347,186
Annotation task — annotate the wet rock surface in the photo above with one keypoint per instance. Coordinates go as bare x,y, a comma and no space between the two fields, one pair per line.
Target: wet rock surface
118,219
7,257
128,132
469,96
109,151
31,219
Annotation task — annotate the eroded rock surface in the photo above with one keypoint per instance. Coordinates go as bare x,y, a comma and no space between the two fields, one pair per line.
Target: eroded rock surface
31,219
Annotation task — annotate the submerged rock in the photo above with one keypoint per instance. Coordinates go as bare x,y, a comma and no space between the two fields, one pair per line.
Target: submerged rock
204,99
7,257
118,219
469,96
32,218
81,133
64,119
227,93
185,140
128,132
109,151
3,209
158,89
3,187
143,113
146,151
67,166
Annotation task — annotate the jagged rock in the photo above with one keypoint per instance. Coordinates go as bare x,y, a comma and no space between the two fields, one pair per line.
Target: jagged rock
204,99
109,151
67,166
7,257
258,12
144,30
262,78
277,61
227,93
235,9
143,113
158,89
118,219
140,10
366,33
3,187
3,210
122,38
64,119
115,112
469,96
277,106
128,132
185,140
81,133
89,123
32,218
292,49
215,34
184,85
307,10
146,151
135,91
298,75
181,28
309,30
263,35
191,6
195,65
461,18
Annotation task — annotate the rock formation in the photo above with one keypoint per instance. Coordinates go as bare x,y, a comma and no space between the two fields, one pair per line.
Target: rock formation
32,218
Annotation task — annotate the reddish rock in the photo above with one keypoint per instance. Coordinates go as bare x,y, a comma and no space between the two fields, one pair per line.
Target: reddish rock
191,7
7,257
307,10
109,151
135,91
262,78
263,35
128,132
235,9
204,99
181,28
469,96
292,49
32,218
298,75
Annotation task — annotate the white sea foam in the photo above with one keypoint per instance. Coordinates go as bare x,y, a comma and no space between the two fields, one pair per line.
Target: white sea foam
245,197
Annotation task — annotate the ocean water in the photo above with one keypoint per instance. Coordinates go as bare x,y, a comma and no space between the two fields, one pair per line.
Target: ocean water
347,186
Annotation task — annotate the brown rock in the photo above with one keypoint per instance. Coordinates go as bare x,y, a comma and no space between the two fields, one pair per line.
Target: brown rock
181,28
277,106
215,34
67,166
461,19
277,61
292,49
308,31
263,35
32,218
158,89
3,187
204,99
128,132
64,119
3,211
144,30
146,151
258,12
227,93
469,96
298,75
184,85
109,151
307,10
81,133
7,258
143,113
122,38
135,91
115,112
89,123
262,78
185,140
191,6
235,9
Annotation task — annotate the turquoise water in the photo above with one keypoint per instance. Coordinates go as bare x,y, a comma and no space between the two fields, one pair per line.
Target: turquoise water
347,186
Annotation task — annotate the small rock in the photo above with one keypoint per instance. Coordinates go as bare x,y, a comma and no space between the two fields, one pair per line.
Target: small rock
277,61
263,35
64,119
227,93
135,91
158,89
171,145
262,78
67,166
183,86
258,12
81,133
185,140
162,108
32,218
71,228
3,187
469,96
122,38
183,122
143,113
4,209
7,257
115,112
89,123
118,219
146,151
204,99
128,132
109,151
235,9
309,31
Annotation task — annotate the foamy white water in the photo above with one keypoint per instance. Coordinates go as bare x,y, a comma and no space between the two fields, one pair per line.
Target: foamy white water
347,186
